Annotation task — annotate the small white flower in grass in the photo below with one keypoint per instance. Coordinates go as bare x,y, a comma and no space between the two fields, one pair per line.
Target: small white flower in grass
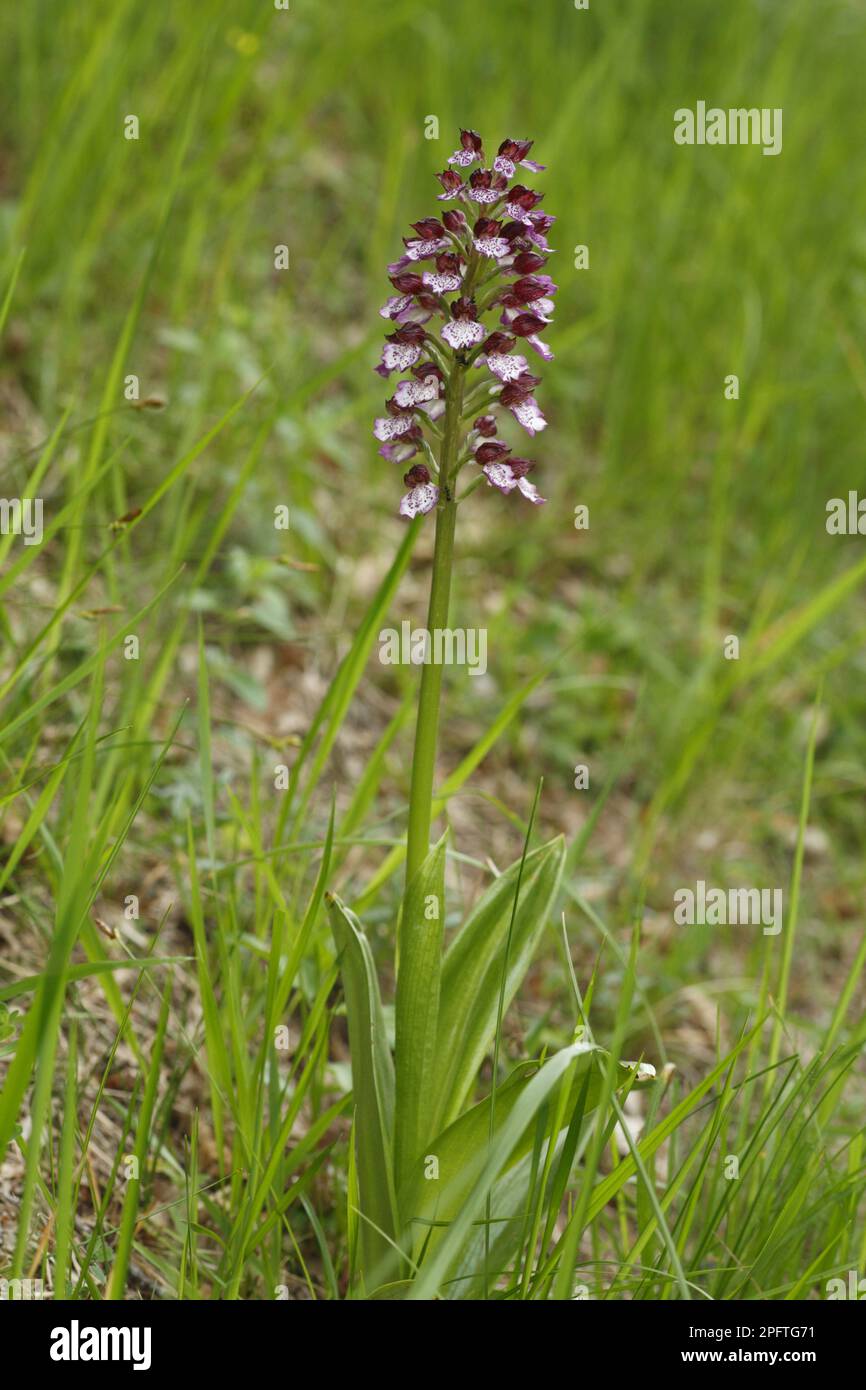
645,1070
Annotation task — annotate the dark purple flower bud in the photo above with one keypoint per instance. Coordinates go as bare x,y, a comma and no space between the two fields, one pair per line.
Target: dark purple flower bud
527,262
408,333
542,221
529,288
464,308
471,140
524,198
513,393
485,425
498,342
425,369
526,381
514,231
455,220
451,184
491,452
527,324
417,475
520,467
428,229
407,283
516,150
486,226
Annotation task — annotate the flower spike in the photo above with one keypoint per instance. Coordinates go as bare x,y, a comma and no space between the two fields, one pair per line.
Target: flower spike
471,291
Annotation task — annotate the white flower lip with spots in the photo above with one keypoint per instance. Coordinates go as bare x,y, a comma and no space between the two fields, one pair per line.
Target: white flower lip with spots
483,259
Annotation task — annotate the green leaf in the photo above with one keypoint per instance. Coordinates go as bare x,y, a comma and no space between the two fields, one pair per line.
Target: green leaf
472,971
519,1106
460,1150
373,1090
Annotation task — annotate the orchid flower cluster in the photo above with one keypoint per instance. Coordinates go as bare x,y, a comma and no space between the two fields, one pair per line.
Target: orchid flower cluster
485,256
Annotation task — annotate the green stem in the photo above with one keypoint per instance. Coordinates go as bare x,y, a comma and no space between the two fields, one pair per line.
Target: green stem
427,727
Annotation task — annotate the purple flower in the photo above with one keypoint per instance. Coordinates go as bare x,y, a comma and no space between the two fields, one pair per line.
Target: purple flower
447,277
517,396
512,153
470,151
510,475
521,202
505,366
456,273
411,393
491,451
400,452
487,241
527,262
452,186
402,349
455,221
422,495
389,427
464,330
398,357
486,187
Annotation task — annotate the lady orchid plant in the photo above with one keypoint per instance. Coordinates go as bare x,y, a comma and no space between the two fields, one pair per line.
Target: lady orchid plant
470,292
441,1183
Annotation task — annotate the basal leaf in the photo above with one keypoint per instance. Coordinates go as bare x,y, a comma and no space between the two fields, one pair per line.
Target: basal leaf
372,1085
472,971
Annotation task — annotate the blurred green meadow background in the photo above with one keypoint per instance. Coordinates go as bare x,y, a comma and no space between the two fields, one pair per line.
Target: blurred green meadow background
152,778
